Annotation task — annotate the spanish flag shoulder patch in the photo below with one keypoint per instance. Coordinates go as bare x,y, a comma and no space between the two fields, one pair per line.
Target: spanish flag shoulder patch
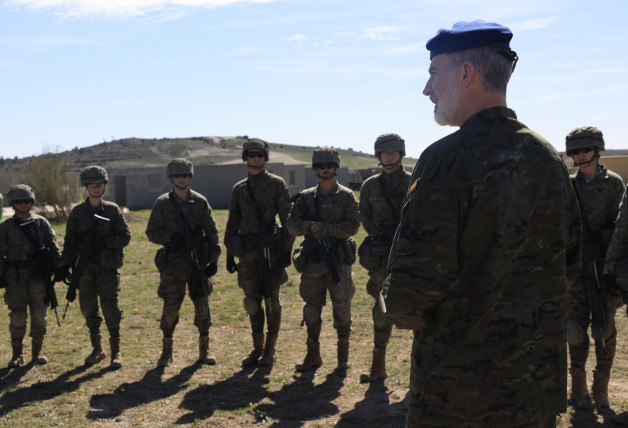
413,187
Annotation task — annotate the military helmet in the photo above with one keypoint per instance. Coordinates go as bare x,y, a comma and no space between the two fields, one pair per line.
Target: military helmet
390,142
20,191
180,166
255,143
587,136
324,155
94,174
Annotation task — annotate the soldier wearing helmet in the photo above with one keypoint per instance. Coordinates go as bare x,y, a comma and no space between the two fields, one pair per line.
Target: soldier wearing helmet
327,216
263,247
381,197
599,193
96,234
27,242
182,222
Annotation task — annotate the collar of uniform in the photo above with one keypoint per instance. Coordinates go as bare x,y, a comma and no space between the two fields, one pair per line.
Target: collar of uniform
190,199
98,208
490,115
259,176
393,176
601,174
333,191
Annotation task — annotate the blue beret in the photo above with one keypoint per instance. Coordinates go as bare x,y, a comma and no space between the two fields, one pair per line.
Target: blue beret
467,35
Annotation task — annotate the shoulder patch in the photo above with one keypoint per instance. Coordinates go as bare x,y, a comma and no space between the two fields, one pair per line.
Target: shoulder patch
413,187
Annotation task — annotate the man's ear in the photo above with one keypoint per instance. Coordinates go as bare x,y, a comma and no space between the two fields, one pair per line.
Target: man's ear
467,70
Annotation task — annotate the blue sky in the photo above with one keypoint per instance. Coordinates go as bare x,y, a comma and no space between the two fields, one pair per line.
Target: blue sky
306,72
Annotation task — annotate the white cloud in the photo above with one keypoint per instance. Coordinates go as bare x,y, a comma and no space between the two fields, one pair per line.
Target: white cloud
119,8
297,38
408,49
381,33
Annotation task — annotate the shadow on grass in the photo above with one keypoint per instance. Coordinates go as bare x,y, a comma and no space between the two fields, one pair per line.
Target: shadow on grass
41,391
375,410
589,418
244,388
148,389
10,377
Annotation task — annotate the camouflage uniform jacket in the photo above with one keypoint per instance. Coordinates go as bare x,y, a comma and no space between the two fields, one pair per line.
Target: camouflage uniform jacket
165,219
273,198
83,229
338,210
618,248
488,242
379,219
15,247
600,198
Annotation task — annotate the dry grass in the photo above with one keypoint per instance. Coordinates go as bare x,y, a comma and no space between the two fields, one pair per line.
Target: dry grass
66,393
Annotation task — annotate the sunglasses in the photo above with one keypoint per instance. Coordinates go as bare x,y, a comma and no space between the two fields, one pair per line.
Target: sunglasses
180,175
582,150
254,154
22,202
328,165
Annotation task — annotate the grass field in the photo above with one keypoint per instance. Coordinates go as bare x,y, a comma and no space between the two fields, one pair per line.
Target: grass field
67,393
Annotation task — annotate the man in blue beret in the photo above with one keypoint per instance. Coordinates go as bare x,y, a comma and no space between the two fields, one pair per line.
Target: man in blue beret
488,242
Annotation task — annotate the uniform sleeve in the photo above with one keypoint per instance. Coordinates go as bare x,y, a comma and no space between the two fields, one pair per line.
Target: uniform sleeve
208,224
284,205
157,230
121,234
573,253
3,245
70,242
51,243
296,222
618,248
366,211
350,223
235,216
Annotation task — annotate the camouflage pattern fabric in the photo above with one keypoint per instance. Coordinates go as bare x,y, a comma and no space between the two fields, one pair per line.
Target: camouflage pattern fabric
488,242
25,288
618,247
380,222
165,220
338,211
600,198
98,281
243,225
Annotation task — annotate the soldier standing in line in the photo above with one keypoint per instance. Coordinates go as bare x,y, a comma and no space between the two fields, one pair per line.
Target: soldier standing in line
488,243
599,192
327,215
182,221
263,248
27,244
96,234
380,209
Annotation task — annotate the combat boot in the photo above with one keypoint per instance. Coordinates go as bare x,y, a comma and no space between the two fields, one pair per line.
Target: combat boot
343,355
268,357
580,398
17,359
98,354
378,367
116,355
621,418
204,356
600,389
166,353
38,356
258,348
313,357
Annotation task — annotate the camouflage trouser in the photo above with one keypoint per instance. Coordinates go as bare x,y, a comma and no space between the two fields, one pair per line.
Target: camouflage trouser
313,289
250,280
580,319
381,326
101,284
23,292
174,278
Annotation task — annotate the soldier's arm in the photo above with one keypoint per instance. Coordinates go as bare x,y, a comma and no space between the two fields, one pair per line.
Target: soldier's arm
121,233
208,223
284,205
618,248
573,252
157,229
235,216
297,222
50,242
350,220
3,245
366,211
70,244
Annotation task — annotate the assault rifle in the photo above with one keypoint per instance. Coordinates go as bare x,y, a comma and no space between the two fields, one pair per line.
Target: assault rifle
592,264
322,248
43,263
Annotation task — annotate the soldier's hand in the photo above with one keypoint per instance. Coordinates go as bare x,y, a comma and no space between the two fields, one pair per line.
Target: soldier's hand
211,269
318,229
178,240
231,264
610,285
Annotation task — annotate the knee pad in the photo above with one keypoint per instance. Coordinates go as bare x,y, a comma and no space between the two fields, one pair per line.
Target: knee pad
312,314
575,333
18,318
252,306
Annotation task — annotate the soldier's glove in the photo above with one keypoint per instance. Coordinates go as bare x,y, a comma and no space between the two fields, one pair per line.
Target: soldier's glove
211,269
178,240
285,258
610,285
318,229
3,282
231,264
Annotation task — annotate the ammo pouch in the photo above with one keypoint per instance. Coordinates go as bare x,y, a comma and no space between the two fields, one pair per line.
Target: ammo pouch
161,258
344,251
111,259
302,253
371,252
